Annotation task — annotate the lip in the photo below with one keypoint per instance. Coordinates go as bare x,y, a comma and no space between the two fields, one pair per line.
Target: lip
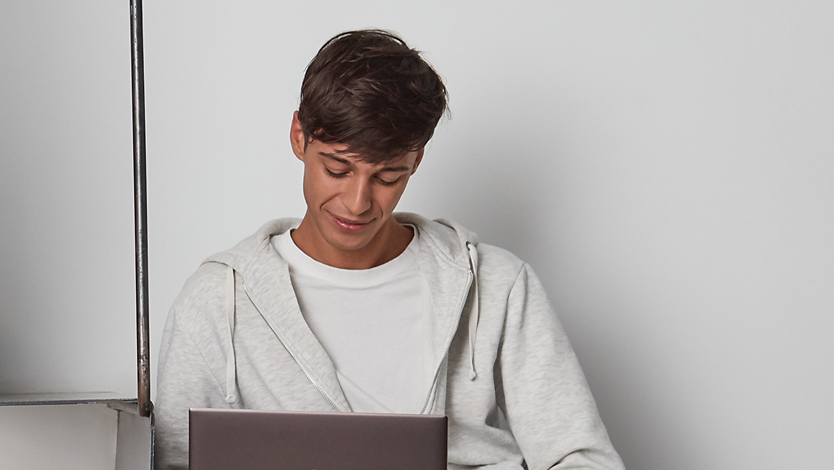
349,225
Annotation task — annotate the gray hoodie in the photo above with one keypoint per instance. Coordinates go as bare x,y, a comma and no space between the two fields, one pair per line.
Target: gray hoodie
506,374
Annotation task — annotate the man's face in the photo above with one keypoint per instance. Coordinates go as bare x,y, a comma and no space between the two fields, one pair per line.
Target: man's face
350,202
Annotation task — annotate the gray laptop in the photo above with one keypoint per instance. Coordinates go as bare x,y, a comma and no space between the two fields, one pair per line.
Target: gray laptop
280,440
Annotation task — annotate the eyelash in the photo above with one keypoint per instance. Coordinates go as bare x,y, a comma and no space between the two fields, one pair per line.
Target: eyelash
342,175
335,175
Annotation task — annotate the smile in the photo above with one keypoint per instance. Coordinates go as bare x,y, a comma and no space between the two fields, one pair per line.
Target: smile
349,225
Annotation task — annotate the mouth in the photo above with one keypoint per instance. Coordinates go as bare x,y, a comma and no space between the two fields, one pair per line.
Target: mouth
349,225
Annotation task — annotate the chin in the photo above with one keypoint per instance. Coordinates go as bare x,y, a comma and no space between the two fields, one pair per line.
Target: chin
346,245
348,241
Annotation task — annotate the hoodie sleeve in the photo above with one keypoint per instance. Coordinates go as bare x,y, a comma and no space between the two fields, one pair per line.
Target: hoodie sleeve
189,376
545,396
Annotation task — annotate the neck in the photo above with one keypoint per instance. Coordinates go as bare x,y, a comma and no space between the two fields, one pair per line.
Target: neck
388,243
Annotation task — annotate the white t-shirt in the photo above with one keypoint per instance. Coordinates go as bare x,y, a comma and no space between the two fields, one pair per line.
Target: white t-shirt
370,322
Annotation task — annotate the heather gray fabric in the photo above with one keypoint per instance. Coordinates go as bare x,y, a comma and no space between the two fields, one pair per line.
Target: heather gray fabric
519,364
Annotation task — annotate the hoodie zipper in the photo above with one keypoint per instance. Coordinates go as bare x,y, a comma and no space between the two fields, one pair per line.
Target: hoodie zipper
461,304
294,358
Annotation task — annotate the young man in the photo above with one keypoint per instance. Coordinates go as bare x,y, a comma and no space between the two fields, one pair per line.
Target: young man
355,308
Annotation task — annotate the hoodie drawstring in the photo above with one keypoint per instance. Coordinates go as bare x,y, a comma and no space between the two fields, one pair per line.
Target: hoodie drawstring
476,311
230,316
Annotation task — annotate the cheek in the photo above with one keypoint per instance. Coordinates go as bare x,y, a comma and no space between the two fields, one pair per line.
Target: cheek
392,198
312,187
305,185
318,189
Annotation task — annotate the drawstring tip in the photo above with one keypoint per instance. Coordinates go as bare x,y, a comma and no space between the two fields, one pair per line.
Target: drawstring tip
230,399
472,375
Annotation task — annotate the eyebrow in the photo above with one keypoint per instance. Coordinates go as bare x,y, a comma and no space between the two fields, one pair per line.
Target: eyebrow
397,169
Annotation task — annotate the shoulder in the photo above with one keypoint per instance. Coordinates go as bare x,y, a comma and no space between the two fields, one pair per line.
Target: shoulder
451,240
203,285
201,300
251,249
494,258
200,304
500,272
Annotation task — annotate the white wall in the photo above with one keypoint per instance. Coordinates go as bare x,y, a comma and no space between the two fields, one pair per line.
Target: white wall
67,315
71,437
66,198
666,167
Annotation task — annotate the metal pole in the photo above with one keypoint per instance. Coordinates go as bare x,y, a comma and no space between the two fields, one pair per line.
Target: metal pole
140,210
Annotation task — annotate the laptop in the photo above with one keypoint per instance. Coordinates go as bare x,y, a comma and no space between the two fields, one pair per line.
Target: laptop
280,440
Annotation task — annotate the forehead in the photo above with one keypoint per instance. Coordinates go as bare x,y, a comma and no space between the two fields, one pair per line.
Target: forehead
342,153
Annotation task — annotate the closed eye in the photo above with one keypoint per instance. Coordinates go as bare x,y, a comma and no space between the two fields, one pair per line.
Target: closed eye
335,175
387,183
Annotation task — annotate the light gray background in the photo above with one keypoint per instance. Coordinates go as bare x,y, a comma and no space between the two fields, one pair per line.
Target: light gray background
66,198
666,167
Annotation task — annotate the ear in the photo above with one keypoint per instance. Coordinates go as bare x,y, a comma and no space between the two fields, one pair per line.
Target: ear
297,138
418,160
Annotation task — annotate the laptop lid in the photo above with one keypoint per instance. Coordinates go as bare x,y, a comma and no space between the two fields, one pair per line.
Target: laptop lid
281,440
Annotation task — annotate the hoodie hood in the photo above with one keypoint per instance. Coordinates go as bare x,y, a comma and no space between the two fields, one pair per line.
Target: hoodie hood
448,240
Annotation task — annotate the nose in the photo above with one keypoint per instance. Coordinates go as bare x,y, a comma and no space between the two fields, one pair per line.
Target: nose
358,197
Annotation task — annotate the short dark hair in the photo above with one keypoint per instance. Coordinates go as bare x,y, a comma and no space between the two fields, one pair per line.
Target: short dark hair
370,91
